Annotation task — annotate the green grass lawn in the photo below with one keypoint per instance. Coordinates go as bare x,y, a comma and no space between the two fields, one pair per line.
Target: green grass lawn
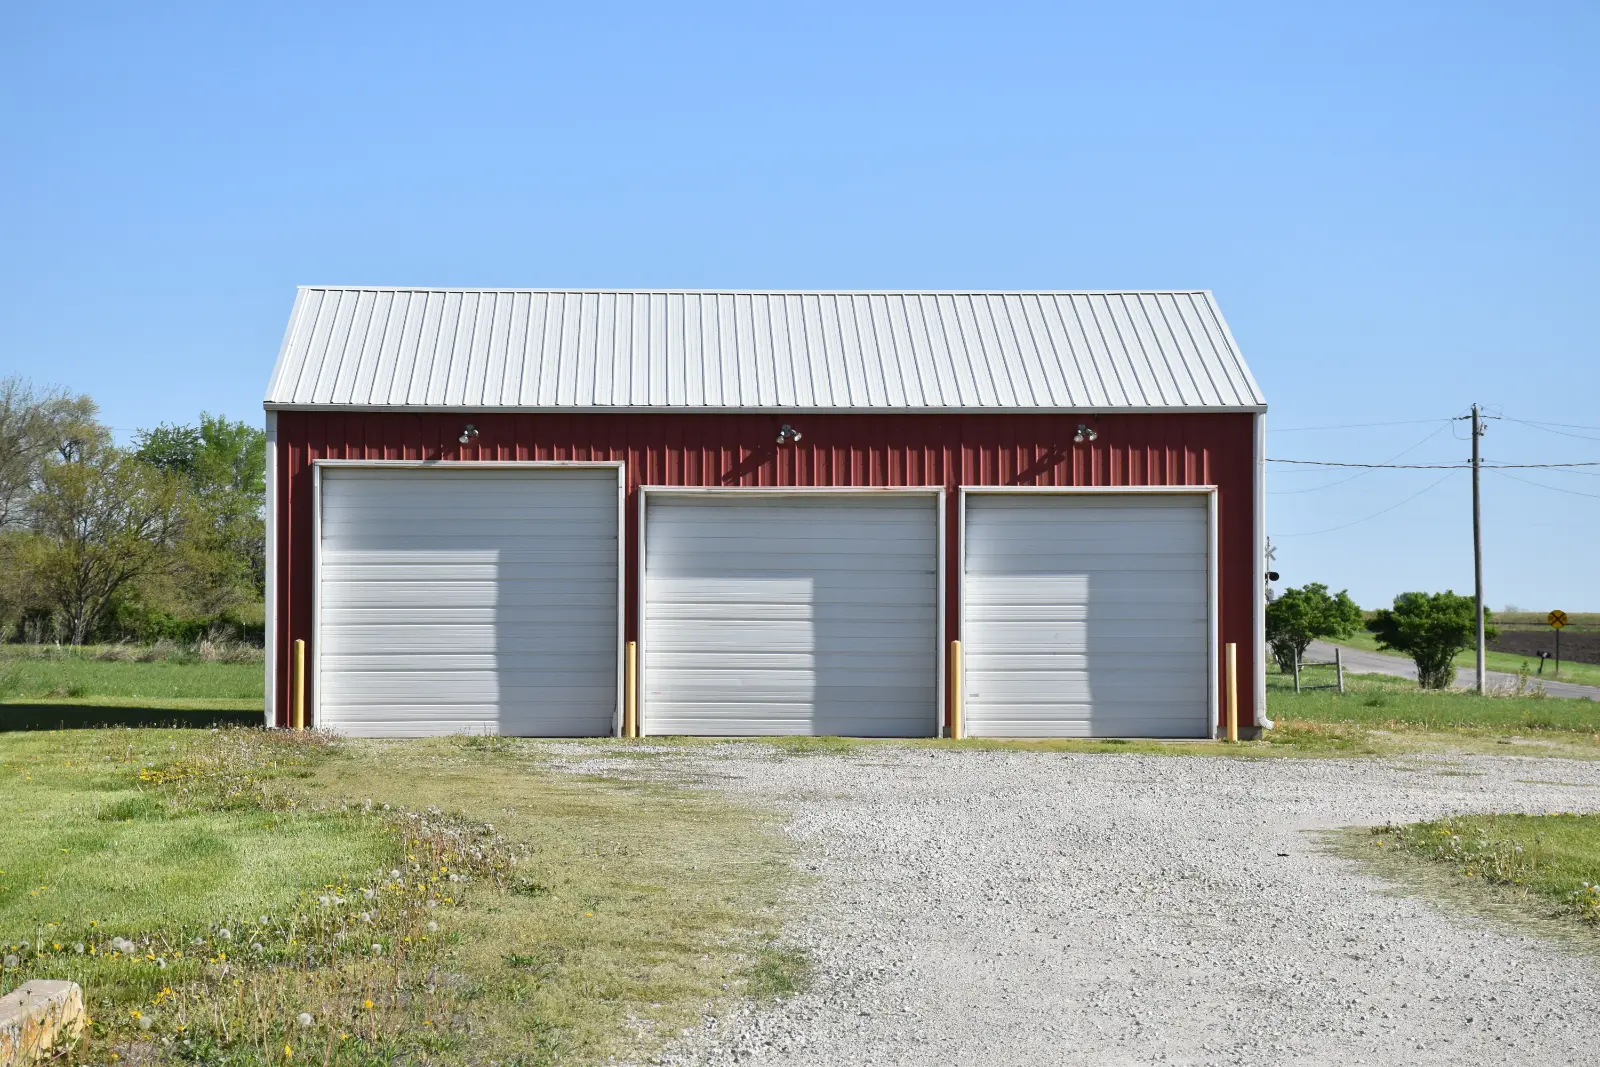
32,673
1388,703
1579,673
457,900
45,687
1546,864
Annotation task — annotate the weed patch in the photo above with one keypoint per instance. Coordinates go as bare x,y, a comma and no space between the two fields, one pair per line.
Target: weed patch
1548,862
254,897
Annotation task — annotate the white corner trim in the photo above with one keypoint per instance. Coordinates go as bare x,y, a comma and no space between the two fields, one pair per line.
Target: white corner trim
270,631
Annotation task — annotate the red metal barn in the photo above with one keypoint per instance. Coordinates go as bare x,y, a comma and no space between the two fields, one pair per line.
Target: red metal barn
735,513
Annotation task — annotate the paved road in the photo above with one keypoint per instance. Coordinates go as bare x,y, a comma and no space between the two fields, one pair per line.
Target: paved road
1025,909
1360,661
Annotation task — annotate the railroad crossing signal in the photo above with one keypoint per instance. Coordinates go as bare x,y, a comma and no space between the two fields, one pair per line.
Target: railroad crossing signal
1557,619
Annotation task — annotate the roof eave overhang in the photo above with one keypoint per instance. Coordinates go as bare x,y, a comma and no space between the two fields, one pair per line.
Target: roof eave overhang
419,409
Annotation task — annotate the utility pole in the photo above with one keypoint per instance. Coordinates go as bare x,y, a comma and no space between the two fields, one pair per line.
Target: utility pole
1477,539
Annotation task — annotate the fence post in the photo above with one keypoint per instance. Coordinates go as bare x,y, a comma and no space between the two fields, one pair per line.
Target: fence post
1297,670
1338,665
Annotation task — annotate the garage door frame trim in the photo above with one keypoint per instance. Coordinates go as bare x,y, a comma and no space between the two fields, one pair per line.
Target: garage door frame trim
317,466
1213,701
647,492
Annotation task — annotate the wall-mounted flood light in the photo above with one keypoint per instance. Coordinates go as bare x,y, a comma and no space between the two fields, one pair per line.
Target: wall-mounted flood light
787,434
468,434
1085,433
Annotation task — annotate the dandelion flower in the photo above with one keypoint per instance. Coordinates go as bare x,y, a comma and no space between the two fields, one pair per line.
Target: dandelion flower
367,1004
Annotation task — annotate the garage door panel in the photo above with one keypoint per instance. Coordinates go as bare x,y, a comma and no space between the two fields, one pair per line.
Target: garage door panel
458,628
992,636
497,619
1086,618
1078,722
791,616
1069,591
458,599
1099,684
832,715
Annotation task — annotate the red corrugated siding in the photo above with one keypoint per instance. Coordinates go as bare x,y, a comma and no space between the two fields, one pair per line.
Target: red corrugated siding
836,450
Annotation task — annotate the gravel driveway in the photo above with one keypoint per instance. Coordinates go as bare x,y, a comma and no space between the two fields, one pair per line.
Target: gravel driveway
979,908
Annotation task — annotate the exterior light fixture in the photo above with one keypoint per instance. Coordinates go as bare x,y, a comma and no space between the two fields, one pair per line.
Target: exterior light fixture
468,434
788,434
1085,433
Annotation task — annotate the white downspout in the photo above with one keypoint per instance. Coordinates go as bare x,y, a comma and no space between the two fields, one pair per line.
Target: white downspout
1259,599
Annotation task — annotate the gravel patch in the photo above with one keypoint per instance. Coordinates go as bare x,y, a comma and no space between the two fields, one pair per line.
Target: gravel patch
1028,908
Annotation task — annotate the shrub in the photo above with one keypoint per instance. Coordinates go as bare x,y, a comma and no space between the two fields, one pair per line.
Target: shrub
1430,628
1300,616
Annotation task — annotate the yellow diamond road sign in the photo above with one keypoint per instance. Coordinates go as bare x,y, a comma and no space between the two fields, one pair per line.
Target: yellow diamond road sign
1557,618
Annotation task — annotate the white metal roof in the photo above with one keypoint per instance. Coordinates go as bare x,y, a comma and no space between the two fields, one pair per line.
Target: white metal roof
486,349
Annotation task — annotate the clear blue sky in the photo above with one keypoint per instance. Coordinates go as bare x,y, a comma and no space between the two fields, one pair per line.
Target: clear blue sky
1395,203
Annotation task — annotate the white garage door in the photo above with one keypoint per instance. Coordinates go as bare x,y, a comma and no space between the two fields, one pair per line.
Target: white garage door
463,599
791,615
1086,616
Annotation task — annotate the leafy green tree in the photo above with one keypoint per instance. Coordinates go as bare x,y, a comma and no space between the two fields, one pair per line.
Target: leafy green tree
99,523
1431,628
1300,616
34,426
224,549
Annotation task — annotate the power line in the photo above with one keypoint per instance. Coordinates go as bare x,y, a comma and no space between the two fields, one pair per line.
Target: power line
1567,425
1433,466
1374,466
1546,427
1374,515
1353,426
1362,474
1552,488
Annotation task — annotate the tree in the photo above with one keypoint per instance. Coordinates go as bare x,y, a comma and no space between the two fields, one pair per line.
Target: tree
1431,628
224,549
100,522
35,425
1300,616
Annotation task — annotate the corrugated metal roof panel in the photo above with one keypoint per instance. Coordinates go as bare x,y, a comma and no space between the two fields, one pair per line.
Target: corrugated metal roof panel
488,349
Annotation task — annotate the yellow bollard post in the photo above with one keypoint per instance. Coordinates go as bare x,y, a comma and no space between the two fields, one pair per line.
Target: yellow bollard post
299,685
630,692
1233,692
957,727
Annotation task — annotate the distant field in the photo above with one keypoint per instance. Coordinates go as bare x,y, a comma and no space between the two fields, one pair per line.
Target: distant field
53,682
1579,673
1576,620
